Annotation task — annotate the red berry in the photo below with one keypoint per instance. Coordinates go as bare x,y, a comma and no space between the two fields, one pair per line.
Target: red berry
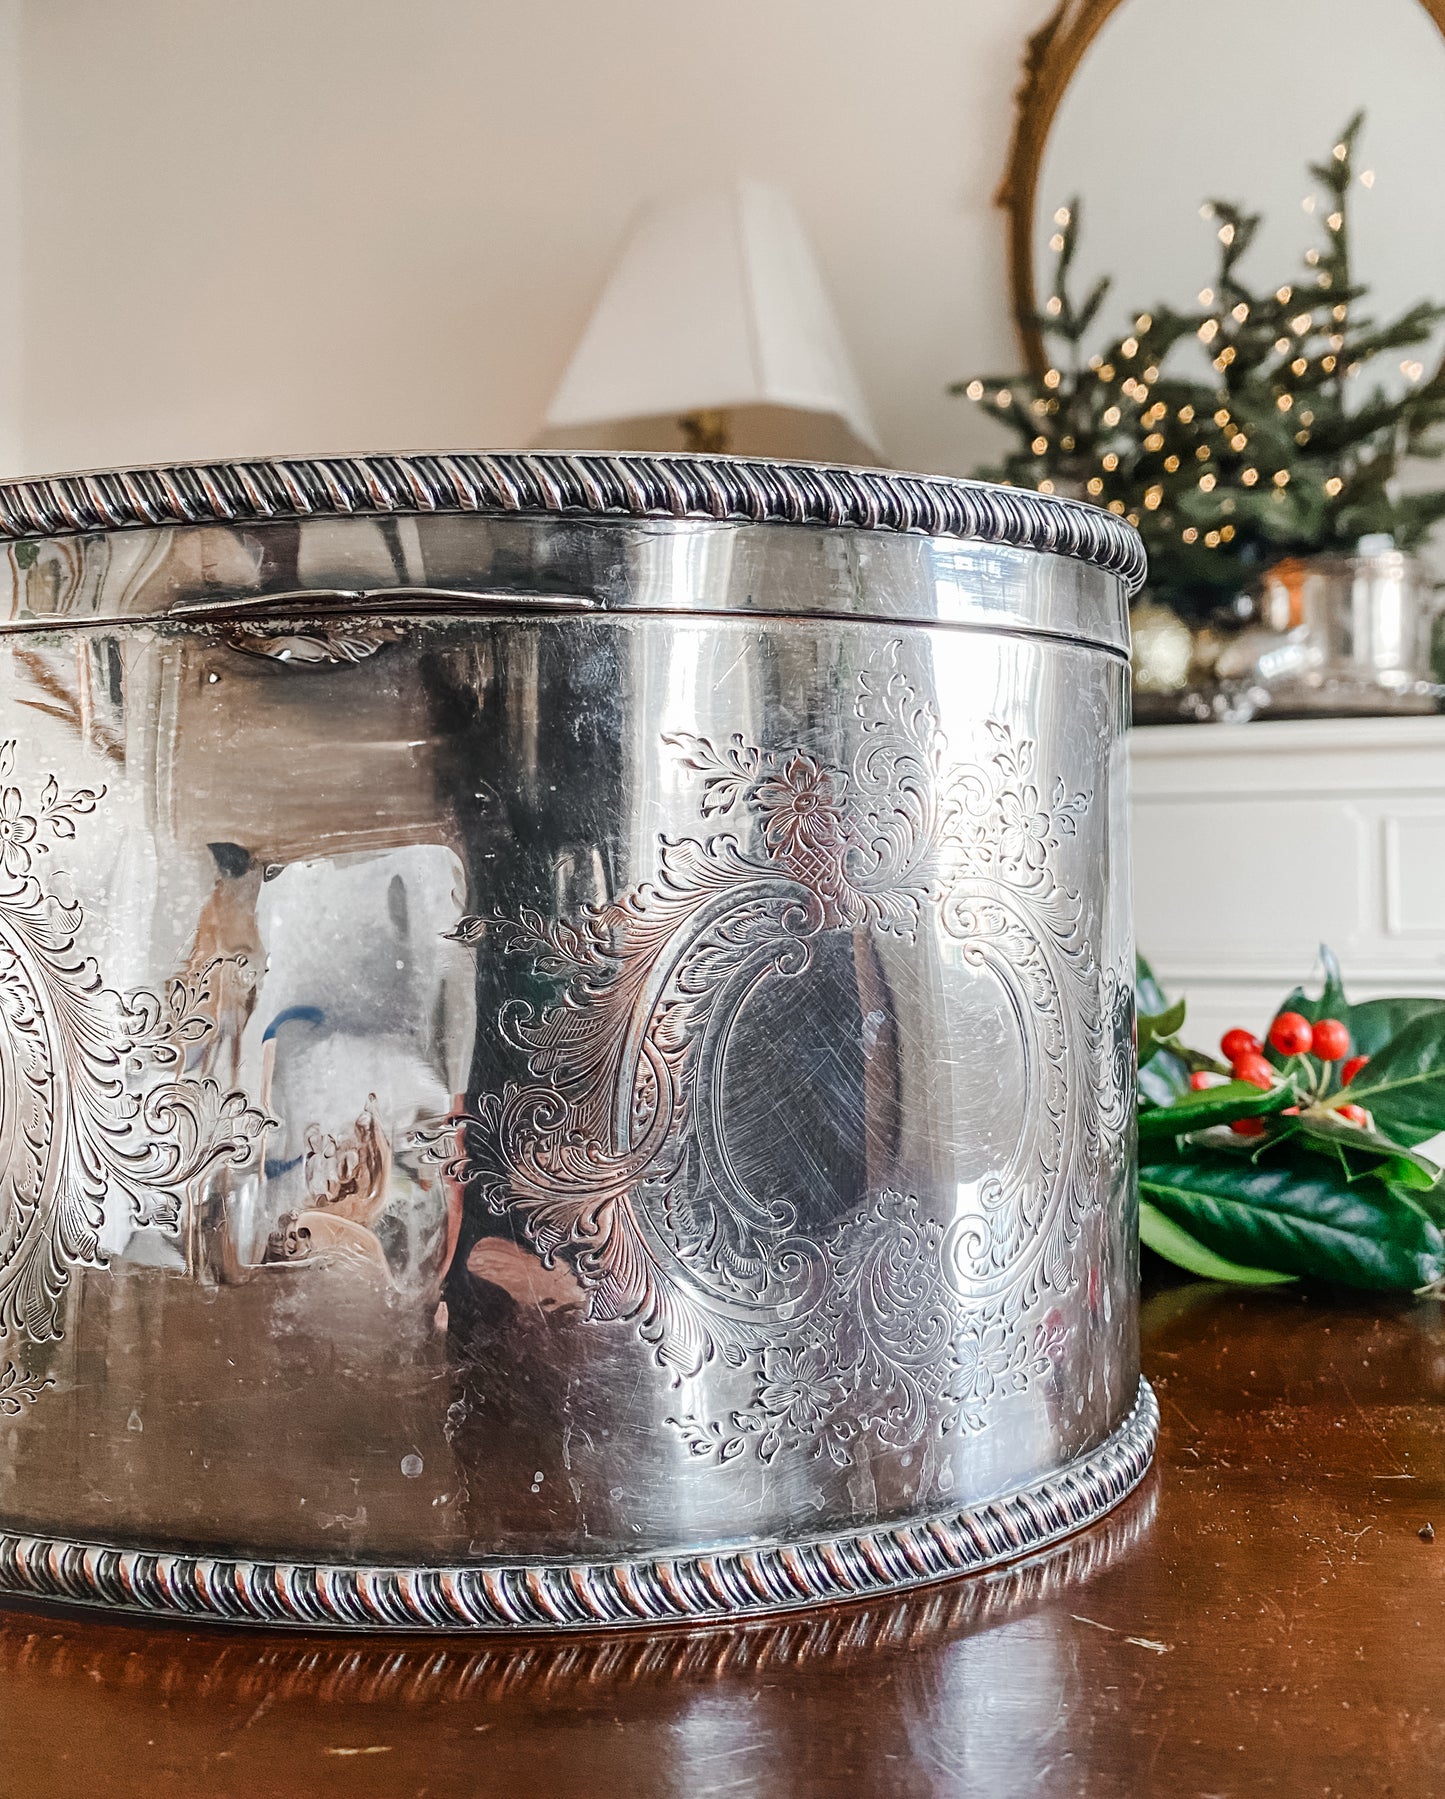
1351,1069
1199,1080
1354,1114
1331,1041
1248,1127
1235,1044
1256,1071
1291,1035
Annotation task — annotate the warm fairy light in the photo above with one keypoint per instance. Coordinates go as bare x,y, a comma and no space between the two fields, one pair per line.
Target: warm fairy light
974,390
1061,217
1152,372
1308,202
1284,295
1206,484
1095,485
1003,397
1335,220
1066,443
1238,441
1333,486
1156,411
1110,462
1154,441
1042,407
1186,415
1281,477
1106,371
1281,344
1225,357
1129,347
1327,363
1202,453
1144,321
1250,476
1412,371
1206,296
1353,369
1336,342
1112,415
1054,307
1285,402
1096,361
1300,366
1206,211
1189,534
1306,418
1226,235
1039,445
1117,506
1208,331
1341,152
1301,322
1367,178
1046,487
1211,539
1326,278
1301,438
1221,418
1052,377
1239,313
1312,256
1340,313
1227,532
1171,465
1056,242
1134,520
1152,497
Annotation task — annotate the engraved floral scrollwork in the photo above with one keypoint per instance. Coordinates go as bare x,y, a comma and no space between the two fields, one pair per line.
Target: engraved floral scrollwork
96,1110
614,1150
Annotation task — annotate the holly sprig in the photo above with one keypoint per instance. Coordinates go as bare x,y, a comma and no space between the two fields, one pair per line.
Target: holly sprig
1296,1155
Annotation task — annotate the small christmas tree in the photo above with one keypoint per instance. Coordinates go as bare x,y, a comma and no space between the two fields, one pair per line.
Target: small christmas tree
1277,456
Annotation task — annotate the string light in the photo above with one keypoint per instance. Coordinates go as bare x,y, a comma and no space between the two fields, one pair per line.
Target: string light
1301,322
1281,477
1110,462
1144,321
1056,242
1281,345
1285,402
1335,220
1189,534
1221,418
1171,465
1154,441
1039,445
1225,357
1211,539
1306,418
1202,453
1341,313
1134,519
1054,307
1052,377
1152,372
1226,235
1208,331
1096,362
1238,441
1326,278
1284,295
1333,486
1301,438
1062,216
1112,416
1129,347
1227,532
974,390
1312,256
1327,363
1341,152
1240,313
1206,484
1003,397
1106,371
1046,487
1300,366
1206,296
1367,178
1186,415
1095,485
1308,202
1249,476
1117,507
1412,371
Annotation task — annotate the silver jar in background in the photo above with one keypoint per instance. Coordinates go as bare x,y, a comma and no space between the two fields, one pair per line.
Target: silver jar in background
566,1043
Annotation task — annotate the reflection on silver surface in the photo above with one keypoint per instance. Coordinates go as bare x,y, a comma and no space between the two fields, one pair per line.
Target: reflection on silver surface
559,1093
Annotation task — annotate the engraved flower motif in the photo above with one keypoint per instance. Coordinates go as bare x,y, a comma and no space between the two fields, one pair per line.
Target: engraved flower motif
1024,837
17,831
983,1357
798,1390
800,803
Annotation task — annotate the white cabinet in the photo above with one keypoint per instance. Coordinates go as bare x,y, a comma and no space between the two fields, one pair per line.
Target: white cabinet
1255,843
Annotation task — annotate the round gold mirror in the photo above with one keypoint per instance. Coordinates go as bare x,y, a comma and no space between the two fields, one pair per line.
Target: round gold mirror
1145,108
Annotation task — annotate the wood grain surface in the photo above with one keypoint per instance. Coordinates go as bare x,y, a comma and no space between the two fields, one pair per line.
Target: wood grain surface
1263,1616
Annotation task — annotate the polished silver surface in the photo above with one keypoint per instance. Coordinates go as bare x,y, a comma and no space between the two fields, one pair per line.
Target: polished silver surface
552,1055
1352,635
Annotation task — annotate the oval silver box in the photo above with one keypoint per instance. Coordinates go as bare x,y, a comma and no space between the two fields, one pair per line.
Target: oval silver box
566,1037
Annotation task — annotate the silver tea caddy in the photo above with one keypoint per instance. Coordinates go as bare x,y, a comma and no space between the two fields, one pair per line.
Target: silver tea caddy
566,1037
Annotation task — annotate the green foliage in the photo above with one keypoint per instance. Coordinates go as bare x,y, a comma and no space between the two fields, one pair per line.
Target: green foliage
1315,1194
1284,452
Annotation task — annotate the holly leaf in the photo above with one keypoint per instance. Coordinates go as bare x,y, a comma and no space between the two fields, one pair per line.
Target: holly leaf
1156,1027
1163,1076
1403,1084
1360,1149
1374,1022
1303,1218
1211,1106
1174,1243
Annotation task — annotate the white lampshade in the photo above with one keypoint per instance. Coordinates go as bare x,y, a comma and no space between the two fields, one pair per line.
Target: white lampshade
716,304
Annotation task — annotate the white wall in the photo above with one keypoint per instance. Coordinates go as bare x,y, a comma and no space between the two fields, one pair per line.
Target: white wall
11,239
299,225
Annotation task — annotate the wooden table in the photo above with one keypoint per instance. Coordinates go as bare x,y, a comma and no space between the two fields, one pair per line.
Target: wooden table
1263,1616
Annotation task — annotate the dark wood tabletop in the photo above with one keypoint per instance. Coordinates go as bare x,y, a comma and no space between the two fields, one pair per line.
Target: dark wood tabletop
1263,1616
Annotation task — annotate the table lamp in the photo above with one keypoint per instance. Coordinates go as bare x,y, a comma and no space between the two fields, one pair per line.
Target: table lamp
715,333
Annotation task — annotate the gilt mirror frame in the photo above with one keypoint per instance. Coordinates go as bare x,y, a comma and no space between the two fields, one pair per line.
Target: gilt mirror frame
1052,56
